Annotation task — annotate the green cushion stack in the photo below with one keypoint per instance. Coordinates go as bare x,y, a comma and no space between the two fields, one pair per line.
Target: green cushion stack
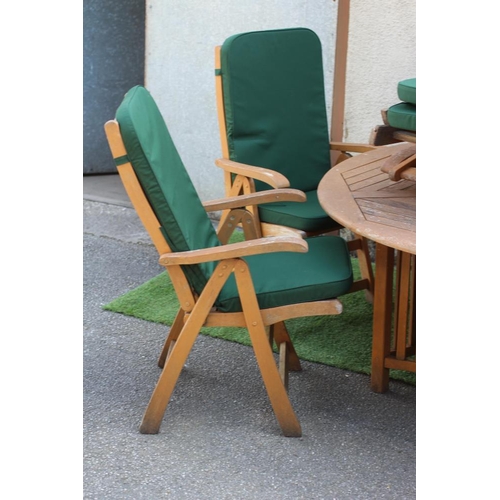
404,114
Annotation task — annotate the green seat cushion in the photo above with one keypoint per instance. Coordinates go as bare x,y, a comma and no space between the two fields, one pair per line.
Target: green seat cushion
282,278
274,103
163,177
403,116
308,216
407,90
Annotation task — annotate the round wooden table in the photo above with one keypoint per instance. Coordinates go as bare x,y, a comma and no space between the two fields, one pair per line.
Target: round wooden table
363,194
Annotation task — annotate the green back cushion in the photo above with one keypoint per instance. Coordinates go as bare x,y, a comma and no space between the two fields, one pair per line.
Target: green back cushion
164,179
403,116
407,90
274,103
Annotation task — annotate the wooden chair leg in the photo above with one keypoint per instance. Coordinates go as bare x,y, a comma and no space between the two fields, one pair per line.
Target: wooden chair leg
227,227
173,335
249,226
276,390
281,336
236,217
270,335
288,359
367,282
283,367
153,416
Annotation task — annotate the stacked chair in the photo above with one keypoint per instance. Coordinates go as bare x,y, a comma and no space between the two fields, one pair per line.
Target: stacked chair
400,119
256,284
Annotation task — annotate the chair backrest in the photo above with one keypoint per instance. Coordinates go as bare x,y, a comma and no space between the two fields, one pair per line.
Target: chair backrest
165,181
274,104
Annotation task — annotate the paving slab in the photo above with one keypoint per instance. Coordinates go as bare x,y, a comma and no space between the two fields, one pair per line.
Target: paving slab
219,438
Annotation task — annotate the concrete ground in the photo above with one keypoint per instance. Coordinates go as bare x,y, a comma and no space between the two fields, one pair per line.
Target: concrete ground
219,438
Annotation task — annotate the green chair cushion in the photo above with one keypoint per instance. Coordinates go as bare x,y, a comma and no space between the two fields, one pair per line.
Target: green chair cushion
164,179
407,90
282,278
403,116
274,103
308,216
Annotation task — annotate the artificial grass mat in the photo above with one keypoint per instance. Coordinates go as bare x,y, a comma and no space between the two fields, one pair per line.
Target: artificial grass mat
343,341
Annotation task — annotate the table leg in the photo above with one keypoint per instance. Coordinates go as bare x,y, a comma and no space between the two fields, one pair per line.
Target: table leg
402,311
413,307
384,355
382,317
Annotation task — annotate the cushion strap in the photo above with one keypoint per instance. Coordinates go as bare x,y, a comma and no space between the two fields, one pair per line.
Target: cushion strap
121,160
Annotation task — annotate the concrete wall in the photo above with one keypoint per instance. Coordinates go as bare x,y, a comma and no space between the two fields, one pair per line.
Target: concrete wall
181,36
113,61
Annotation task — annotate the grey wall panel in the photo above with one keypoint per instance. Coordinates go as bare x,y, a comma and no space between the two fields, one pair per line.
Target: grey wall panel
113,61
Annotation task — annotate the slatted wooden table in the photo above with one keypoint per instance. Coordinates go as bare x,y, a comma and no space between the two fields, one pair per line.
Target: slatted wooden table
360,194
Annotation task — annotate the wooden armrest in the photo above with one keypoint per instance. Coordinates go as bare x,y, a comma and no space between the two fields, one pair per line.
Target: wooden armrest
271,177
245,200
235,250
398,163
351,147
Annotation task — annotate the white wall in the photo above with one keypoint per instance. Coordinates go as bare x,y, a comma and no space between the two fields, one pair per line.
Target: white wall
181,36
382,52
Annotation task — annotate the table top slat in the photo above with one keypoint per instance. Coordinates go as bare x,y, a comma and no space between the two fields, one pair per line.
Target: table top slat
361,197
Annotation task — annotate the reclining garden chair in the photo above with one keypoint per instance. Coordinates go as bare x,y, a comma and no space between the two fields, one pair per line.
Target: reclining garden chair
274,130
255,284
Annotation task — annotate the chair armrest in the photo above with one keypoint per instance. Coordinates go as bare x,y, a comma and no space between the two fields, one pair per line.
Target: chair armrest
235,250
351,147
245,200
271,177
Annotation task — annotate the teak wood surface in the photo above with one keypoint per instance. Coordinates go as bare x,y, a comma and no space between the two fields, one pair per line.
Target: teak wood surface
363,198
358,194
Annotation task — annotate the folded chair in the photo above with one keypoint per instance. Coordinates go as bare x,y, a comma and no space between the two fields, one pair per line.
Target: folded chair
400,119
274,130
256,284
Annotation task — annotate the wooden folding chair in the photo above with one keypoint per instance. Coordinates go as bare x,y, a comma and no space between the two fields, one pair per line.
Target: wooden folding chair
256,284
274,131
